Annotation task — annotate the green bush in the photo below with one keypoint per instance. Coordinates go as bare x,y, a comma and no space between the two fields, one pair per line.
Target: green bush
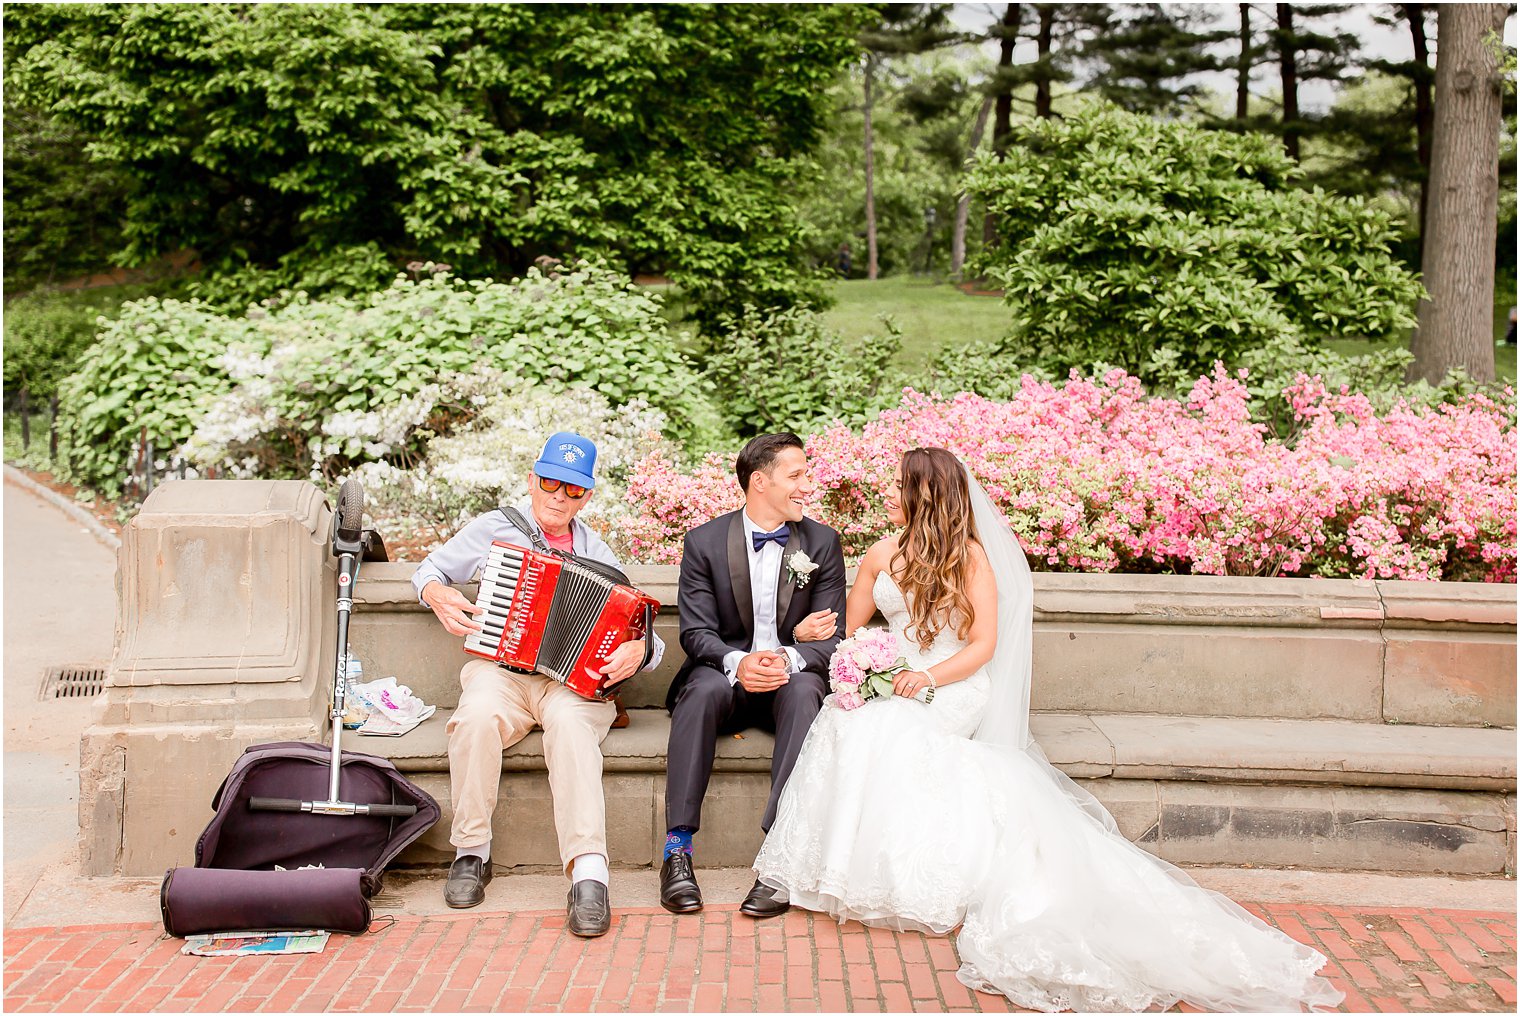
345,271
989,369
152,368
44,337
787,370
1120,234
317,386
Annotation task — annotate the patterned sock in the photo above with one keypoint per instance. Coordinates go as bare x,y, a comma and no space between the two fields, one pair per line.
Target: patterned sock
679,838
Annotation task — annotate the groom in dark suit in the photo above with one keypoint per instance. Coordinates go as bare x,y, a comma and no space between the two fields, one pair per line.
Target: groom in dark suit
748,580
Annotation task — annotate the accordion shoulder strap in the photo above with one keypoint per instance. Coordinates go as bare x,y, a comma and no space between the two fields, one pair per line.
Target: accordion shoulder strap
527,528
607,571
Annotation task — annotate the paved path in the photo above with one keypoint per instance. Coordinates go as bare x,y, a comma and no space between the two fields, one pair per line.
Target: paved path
60,610
1386,960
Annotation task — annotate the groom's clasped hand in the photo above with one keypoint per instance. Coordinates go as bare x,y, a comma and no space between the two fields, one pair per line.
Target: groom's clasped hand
767,669
762,671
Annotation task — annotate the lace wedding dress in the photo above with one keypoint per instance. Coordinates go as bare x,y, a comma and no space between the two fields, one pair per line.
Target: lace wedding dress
895,817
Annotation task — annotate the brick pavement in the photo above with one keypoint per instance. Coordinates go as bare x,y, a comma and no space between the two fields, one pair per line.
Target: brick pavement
1385,959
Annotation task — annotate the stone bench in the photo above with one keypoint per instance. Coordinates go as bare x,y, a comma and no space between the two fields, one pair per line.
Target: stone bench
1216,790
1325,723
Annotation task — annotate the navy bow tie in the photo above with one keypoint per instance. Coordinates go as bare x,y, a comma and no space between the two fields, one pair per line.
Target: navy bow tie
779,536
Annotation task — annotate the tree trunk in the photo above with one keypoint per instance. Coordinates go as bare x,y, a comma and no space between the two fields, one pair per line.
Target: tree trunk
1042,83
1423,112
1243,71
963,206
1457,322
1008,34
872,269
1288,61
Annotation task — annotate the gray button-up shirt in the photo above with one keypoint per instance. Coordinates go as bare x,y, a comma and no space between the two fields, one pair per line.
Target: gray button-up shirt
460,559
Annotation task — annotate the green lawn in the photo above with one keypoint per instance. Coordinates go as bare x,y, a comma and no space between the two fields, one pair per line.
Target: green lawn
933,315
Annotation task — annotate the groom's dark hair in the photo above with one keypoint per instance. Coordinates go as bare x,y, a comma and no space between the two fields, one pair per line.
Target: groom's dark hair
760,454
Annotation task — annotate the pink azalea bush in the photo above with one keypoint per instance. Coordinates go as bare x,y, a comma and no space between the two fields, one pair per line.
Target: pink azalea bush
1095,476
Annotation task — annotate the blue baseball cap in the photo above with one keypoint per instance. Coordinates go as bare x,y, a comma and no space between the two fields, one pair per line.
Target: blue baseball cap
568,457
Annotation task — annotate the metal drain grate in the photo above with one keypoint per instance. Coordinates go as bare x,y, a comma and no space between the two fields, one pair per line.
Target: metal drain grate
386,900
72,682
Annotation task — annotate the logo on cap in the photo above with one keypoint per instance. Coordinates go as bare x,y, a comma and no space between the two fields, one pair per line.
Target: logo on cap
571,452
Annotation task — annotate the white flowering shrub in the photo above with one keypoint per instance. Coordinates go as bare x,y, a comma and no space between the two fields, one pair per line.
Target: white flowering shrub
485,462
317,387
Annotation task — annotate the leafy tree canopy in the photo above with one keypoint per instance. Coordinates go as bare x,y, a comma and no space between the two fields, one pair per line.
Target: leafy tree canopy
664,137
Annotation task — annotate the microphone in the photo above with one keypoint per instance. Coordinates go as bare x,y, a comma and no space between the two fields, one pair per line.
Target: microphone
348,525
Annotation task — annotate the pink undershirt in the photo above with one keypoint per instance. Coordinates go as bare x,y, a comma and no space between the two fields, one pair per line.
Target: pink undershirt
564,543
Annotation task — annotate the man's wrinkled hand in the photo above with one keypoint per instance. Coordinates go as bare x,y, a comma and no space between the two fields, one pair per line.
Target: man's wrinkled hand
624,661
763,671
452,607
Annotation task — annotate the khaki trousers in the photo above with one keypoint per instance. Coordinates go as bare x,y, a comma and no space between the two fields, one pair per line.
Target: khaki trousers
498,708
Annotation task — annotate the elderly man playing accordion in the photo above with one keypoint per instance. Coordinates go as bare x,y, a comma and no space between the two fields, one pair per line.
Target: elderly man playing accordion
498,706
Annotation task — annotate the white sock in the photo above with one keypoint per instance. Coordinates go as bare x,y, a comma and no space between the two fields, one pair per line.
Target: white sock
483,851
590,866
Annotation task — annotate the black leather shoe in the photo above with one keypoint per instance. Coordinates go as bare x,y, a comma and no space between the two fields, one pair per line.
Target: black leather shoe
588,910
679,892
468,878
763,901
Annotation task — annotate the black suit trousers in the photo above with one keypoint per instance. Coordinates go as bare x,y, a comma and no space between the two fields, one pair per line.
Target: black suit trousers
706,706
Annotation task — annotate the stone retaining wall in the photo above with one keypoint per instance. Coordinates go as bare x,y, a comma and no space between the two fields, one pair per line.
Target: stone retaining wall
1400,652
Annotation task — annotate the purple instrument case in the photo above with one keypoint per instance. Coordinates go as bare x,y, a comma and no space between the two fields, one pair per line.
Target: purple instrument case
235,886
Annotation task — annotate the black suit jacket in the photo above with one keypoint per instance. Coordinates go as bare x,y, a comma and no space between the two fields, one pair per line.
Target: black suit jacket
717,616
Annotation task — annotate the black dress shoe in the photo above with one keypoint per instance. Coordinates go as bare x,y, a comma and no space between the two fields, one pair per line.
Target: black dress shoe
679,892
588,910
763,901
468,877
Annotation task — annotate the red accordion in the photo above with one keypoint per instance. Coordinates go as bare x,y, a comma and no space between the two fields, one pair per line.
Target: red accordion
558,616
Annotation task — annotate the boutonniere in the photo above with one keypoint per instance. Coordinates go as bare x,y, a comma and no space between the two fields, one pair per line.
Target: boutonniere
800,568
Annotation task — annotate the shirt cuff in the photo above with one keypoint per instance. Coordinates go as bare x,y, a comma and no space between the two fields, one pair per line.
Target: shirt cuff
731,667
796,660
423,588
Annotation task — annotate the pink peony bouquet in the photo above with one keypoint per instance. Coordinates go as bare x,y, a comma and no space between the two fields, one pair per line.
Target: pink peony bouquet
863,666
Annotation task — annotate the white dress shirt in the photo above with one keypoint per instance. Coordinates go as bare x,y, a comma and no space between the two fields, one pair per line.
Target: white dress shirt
764,573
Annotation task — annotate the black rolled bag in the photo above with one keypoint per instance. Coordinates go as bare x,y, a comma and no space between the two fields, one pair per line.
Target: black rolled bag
258,870
199,901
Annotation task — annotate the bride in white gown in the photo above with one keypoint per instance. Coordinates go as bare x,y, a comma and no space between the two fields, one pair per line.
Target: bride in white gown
934,816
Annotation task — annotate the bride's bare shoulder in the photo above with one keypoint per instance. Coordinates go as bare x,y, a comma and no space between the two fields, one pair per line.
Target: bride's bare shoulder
880,554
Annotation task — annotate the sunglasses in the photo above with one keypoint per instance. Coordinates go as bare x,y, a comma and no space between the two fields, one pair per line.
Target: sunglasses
573,491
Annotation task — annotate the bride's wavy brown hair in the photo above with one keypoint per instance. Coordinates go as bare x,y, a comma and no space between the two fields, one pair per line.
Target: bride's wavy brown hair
933,563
